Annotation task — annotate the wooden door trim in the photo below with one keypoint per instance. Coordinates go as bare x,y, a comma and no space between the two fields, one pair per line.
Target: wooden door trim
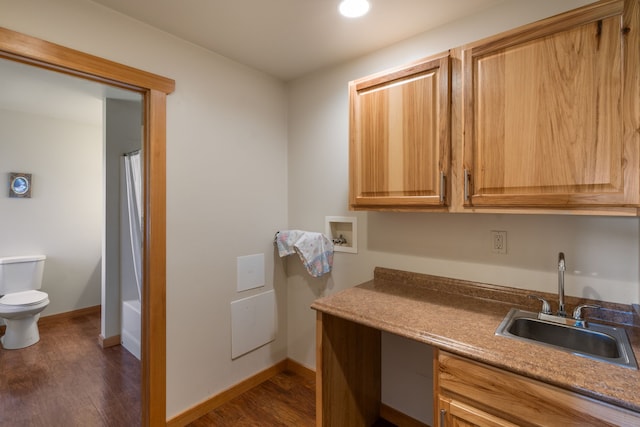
23,48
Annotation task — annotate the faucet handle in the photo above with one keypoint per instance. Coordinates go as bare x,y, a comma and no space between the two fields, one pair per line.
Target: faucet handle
546,308
577,313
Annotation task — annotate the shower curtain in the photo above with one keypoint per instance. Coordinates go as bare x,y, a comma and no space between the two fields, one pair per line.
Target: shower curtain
133,176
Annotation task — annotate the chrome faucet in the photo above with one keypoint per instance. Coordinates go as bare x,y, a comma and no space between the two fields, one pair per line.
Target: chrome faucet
561,316
561,269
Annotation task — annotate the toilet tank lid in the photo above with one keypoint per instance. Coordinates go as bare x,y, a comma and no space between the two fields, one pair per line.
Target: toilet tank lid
23,258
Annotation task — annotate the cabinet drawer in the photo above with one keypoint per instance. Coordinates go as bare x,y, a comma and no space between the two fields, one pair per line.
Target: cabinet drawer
522,400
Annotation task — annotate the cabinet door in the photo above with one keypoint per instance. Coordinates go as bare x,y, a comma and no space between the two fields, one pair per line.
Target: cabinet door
399,137
456,414
469,385
552,112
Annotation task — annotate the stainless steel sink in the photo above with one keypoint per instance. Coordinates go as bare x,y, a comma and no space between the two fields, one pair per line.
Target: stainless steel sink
600,342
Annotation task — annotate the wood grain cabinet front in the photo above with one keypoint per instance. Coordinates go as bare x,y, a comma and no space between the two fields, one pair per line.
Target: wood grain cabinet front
454,413
551,112
400,137
470,393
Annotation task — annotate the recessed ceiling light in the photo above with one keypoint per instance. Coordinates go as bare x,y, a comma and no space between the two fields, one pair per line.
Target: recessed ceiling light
354,8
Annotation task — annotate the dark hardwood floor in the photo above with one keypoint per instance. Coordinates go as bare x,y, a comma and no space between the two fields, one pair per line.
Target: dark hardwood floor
286,400
68,380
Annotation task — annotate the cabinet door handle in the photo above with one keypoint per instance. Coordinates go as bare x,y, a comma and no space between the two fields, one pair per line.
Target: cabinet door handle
443,186
443,413
467,177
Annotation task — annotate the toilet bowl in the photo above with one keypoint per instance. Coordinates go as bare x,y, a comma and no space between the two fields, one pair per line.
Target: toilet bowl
20,301
21,311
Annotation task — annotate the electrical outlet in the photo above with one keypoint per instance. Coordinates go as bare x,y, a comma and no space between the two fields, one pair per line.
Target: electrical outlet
499,242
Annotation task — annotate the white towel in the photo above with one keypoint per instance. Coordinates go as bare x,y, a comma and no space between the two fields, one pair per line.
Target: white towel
314,249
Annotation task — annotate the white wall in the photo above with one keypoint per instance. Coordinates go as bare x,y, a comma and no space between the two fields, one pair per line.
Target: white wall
63,217
601,253
226,183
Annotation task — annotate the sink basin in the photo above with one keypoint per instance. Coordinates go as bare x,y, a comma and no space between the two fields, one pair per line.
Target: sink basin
580,340
600,342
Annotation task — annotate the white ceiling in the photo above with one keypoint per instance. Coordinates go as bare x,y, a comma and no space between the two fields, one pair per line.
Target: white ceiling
289,38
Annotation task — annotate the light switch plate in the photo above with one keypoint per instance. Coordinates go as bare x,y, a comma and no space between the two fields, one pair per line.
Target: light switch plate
250,272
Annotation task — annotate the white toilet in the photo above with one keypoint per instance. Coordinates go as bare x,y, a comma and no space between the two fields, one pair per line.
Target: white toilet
20,301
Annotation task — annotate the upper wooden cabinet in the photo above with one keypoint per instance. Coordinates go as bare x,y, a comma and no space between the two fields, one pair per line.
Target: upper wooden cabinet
541,119
551,112
400,137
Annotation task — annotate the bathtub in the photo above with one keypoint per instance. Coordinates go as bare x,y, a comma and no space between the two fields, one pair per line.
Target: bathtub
131,320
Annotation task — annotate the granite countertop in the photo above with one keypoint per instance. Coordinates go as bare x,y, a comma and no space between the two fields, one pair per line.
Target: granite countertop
461,317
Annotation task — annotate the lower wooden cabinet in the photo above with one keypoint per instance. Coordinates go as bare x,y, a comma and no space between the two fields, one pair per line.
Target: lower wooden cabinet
348,387
469,393
454,413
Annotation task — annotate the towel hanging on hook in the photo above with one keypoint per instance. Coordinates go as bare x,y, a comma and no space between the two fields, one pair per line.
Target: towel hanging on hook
314,249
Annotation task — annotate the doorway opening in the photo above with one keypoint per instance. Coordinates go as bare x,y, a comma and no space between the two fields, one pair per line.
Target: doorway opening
154,89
